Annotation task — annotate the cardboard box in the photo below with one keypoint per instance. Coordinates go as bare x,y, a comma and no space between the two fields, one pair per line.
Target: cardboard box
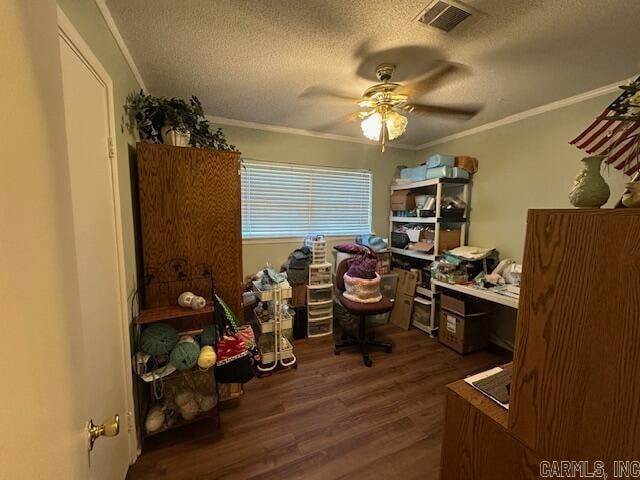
449,239
299,296
421,246
402,310
389,285
407,280
463,334
461,304
383,266
403,200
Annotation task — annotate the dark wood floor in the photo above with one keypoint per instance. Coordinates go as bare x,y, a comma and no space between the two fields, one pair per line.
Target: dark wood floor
331,418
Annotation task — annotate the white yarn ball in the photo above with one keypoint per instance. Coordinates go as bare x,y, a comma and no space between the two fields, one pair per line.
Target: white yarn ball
207,357
186,402
189,410
155,419
184,300
198,303
206,402
183,396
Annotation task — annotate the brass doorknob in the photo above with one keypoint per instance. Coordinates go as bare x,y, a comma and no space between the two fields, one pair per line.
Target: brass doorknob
110,428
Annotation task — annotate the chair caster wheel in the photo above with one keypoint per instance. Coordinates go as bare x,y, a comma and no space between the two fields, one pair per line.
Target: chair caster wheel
336,351
387,349
368,362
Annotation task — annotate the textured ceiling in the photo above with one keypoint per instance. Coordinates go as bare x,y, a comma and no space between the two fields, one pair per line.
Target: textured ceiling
252,60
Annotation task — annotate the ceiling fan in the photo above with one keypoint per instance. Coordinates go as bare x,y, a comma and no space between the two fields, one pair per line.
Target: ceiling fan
386,103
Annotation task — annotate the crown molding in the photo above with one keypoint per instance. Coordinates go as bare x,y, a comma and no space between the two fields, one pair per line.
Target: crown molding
565,102
113,28
106,14
300,131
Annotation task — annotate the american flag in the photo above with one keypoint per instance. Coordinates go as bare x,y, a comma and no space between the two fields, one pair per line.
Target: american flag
609,134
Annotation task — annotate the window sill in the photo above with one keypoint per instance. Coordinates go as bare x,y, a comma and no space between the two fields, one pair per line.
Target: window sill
300,240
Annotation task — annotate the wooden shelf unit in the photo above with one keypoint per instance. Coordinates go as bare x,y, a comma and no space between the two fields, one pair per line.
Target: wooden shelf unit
162,314
435,187
430,183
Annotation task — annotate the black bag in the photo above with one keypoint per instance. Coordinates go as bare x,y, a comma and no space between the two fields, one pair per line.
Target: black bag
399,239
234,364
239,370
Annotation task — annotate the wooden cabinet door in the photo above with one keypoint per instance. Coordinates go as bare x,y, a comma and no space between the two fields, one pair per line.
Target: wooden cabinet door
190,209
576,368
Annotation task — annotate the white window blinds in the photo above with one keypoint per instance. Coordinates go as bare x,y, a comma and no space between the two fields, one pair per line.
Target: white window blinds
281,200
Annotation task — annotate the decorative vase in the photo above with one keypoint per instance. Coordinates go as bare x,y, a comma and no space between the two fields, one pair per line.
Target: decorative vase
590,190
172,136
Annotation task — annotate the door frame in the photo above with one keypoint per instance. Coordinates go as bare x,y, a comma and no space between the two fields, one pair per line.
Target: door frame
68,33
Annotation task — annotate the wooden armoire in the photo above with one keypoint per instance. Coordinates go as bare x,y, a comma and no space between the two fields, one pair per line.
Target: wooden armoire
189,212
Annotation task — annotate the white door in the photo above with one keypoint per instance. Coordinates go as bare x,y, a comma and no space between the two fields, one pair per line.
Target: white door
96,219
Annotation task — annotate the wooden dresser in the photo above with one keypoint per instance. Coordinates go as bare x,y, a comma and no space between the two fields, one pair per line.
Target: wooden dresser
576,370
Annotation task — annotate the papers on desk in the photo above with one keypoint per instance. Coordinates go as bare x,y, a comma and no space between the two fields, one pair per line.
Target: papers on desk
512,291
494,384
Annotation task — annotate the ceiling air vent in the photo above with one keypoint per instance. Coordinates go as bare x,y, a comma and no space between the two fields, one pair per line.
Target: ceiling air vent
443,15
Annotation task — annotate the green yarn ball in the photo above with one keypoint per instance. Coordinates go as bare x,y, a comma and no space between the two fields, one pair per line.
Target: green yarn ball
158,339
209,335
184,355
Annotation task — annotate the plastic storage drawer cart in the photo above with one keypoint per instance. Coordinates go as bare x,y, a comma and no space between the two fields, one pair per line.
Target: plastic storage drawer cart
319,310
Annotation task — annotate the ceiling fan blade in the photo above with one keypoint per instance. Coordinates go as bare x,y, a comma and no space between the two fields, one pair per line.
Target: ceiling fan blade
321,92
441,110
431,81
349,118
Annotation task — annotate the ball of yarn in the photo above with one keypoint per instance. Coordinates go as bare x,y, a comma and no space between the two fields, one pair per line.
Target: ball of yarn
207,358
186,402
183,396
184,300
209,335
198,303
185,354
205,402
158,339
155,419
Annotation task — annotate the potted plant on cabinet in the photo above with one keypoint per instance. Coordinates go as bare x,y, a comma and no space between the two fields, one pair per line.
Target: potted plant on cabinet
172,121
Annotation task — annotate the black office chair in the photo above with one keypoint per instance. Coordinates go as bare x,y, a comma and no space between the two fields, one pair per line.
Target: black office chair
361,310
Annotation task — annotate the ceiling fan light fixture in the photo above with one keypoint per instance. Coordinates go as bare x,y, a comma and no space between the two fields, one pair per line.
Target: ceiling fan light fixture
372,126
396,124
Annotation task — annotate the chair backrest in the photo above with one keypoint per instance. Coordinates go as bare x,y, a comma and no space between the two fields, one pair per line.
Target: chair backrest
342,268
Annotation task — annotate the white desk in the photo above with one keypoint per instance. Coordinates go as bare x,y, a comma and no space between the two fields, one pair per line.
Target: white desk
479,293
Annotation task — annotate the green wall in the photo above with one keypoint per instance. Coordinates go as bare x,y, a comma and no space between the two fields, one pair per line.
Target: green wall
525,164
522,165
90,24
301,149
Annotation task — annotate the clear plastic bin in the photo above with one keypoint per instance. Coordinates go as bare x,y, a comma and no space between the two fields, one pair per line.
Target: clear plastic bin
388,284
319,294
320,311
421,312
320,328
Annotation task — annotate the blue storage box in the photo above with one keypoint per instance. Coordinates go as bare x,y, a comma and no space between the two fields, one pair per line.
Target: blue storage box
459,173
439,160
446,172
439,172
415,173
424,173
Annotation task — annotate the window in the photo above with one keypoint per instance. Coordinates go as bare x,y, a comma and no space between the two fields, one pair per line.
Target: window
281,200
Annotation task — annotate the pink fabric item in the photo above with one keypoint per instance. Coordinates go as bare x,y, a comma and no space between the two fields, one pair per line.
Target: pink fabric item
362,290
